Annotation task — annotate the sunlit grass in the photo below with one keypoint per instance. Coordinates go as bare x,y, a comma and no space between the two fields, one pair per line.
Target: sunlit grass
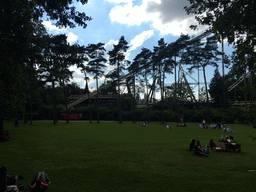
108,156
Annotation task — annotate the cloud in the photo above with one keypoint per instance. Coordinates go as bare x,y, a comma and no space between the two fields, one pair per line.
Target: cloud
129,14
167,16
48,25
71,37
109,47
119,1
138,40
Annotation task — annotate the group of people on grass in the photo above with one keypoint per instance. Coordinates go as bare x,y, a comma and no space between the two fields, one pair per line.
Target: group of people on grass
220,125
143,125
9,184
181,124
226,139
197,148
229,145
203,125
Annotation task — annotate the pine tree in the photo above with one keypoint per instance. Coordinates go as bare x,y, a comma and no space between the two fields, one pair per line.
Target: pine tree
117,57
96,65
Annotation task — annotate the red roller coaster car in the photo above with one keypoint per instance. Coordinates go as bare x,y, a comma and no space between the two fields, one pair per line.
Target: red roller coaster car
72,116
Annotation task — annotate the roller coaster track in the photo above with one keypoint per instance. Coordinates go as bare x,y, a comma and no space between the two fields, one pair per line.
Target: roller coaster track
105,85
239,81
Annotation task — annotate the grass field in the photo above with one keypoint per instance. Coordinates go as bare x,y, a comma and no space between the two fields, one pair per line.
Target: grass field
108,156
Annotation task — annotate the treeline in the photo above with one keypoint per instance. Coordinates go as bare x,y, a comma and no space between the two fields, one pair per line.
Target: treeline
195,114
35,66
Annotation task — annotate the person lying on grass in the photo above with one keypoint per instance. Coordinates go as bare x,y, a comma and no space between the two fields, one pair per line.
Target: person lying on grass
212,145
40,182
198,150
6,180
5,136
12,187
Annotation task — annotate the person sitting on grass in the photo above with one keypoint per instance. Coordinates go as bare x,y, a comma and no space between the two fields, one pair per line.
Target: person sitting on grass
181,125
40,182
198,150
203,122
229,130
207,150
192,145
212,145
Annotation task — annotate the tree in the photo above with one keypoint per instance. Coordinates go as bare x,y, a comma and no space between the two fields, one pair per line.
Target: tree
96,65
174,50
17,43
216,88
117,57
85,69
200,54
232,20
141,67
164,65
58,57
110,79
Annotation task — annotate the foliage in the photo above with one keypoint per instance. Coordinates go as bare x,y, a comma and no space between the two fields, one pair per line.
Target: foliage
22,42
232,20
117,57
216,88
200,54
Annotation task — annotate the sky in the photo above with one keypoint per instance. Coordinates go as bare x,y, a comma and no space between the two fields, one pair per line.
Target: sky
142,23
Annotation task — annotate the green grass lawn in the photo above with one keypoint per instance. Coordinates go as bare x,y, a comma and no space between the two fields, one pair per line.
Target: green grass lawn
108,156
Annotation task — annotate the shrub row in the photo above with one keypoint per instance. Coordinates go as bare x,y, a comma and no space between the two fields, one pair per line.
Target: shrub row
210,114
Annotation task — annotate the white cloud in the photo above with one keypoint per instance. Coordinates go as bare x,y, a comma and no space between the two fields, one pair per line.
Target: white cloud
129,14
167,16
77,71
138,40
48,25
109,45
71,37
119,1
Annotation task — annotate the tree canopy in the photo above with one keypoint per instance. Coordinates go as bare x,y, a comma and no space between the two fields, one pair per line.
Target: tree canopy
23,39
233,20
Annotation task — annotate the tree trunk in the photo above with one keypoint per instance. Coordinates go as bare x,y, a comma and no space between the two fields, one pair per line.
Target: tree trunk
66,104
1,125
134,99
205,84
90,110
54,103
30,105
98,112
161,91
207,98
119,96
128,87
147,96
